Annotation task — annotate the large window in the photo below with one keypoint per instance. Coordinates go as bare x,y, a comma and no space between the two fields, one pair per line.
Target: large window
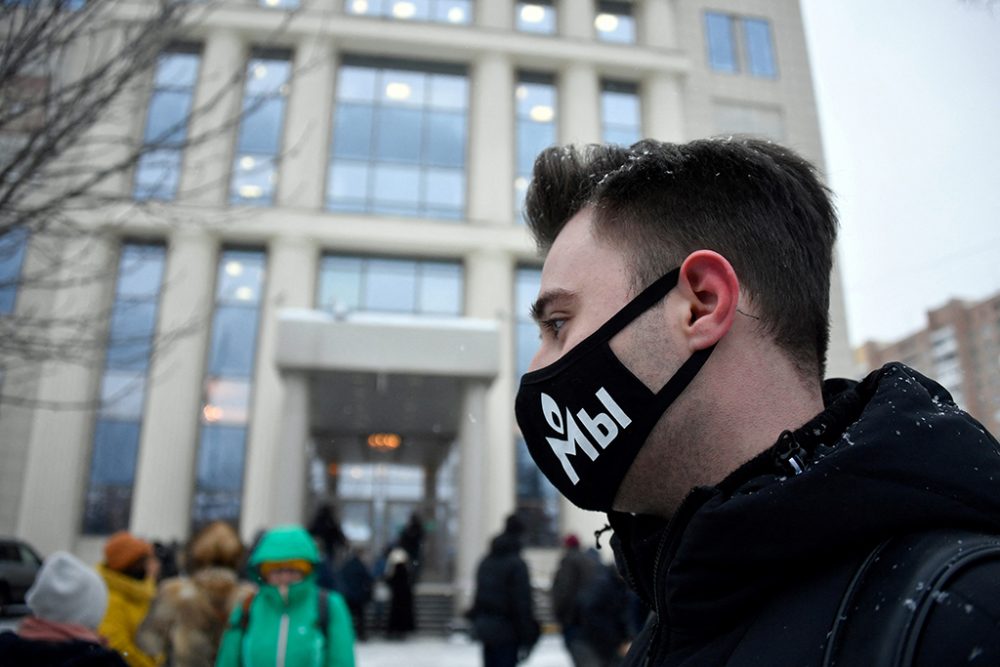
621,118
258,148
536,126
225,414
537,16
422,287
157,173
399,139
458,12
614,22
738,43
123,389
537,499
12,247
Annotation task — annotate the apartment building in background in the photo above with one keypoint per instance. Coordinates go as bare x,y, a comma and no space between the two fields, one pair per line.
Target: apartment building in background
328,301
959,348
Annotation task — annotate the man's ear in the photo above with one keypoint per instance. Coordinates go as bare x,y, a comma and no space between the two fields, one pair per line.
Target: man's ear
709,284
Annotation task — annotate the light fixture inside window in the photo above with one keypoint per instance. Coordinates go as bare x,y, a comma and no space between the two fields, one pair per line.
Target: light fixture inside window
456,15
244,293
521,183
272,3
359,6
542,113
247,163
211,413
251,191
404,10
606,22
522,92
398,91
384,441
532,13
234,269
260,71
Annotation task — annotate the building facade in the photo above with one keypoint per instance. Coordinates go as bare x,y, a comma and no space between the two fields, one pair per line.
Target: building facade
960,348
328,298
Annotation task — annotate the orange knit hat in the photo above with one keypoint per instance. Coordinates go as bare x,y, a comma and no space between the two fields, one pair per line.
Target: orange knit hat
298,564
124,549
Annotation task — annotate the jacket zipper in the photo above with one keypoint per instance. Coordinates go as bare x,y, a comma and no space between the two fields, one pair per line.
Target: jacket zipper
654,637
282,641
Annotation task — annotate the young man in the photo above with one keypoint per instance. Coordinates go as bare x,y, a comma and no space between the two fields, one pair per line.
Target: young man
678,387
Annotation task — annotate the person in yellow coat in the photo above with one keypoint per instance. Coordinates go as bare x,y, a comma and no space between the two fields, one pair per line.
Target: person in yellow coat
130,570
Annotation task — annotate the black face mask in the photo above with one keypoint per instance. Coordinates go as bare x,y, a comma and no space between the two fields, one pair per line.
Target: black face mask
586,416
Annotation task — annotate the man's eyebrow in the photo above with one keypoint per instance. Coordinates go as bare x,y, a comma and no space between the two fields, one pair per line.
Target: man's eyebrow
542,303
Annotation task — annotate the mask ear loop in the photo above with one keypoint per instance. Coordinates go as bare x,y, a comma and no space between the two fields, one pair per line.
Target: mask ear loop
598,533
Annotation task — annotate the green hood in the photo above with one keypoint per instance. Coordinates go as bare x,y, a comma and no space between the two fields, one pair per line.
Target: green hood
285,543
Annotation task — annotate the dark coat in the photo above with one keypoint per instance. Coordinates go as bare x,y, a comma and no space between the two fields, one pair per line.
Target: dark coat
751,571
401,617
15,651
503,611
575,572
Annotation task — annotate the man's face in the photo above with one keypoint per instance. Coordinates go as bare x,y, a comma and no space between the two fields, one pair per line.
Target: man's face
584,282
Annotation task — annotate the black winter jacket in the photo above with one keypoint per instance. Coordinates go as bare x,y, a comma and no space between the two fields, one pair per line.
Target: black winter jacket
16,651
503,612
751,571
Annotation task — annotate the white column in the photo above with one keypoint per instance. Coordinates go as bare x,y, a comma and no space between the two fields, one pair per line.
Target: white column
58,454
657,24
288,480
579,103
307,126
490,294
576,19
491,137
495,14
208,158
291,279
473,531
164,484
663,107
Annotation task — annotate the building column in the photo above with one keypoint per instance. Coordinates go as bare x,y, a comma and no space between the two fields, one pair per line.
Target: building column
288,478
491,138
164,484
490,295
291,282
473,531
576,19
657,24
59,449
208,158
663,107
579,86
307,126
495,14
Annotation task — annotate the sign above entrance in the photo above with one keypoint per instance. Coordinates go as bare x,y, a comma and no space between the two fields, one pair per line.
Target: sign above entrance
384,441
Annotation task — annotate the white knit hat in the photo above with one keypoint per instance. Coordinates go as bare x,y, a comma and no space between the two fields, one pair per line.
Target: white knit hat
67,590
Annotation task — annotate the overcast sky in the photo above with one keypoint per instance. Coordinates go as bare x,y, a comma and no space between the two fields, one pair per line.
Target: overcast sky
909,101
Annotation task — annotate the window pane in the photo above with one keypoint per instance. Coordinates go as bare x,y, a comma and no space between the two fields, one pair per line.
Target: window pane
453,11
226,401
445,139
177,70
402,87
536,18
234,337
133,326
254,178
116,444
531,139
123,395
721,45
445,188
391,285
441,288
240,277
260,131
620,108
531,96
614,22
397,185
399,134
167,120
265,77
340,283
12,247
449,92
349,181
352,131
157,174
220,459
356,83
140,271
760,54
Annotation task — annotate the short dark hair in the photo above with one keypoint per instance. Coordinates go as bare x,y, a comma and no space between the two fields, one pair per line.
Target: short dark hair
758,204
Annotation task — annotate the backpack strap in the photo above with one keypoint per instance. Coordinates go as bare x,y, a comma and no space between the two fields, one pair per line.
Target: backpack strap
323,613
885,607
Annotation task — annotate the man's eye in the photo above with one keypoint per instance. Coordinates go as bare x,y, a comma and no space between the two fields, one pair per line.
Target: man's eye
553,327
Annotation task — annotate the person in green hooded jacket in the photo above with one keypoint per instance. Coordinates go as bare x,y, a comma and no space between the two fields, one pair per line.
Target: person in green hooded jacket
282,627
